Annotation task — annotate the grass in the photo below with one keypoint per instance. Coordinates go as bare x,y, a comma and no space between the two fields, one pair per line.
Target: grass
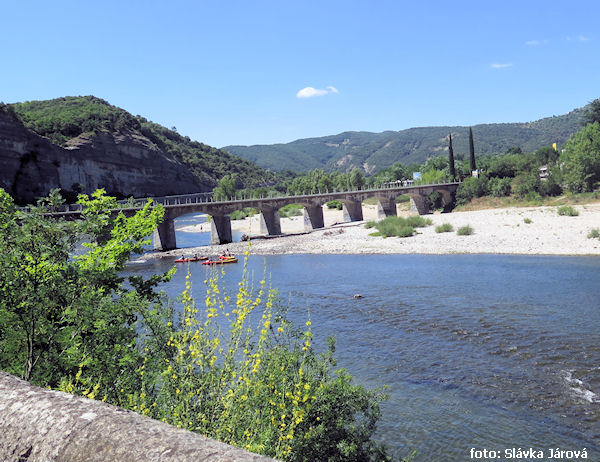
444,228
465,231
399,226
527,221
370,224
567,210
594,233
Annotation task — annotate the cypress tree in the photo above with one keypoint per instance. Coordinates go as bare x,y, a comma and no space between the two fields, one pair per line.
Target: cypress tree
472,150
451,158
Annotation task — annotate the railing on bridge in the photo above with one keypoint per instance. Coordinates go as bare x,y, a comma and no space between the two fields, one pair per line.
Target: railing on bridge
198,198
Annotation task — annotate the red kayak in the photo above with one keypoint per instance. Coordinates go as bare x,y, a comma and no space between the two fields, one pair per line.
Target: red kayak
185,260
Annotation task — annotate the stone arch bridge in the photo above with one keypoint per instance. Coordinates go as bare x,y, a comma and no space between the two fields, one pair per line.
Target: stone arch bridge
176,206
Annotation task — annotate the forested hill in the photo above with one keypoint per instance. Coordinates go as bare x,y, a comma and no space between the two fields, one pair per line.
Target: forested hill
86,126
373,151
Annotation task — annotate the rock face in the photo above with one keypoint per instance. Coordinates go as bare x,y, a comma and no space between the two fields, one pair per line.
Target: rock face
40,425
125,164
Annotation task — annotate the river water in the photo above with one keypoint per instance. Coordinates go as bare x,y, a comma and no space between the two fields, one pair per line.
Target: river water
478,351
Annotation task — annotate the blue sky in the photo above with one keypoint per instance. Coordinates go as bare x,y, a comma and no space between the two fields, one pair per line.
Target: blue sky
235,72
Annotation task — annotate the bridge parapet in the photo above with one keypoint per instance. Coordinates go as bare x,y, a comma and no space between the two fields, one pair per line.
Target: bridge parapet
40,425
176,206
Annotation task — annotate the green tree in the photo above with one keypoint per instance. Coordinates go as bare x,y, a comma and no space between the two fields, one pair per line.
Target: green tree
470,188
580,159
357,179
472,150
592,114
225,190
59,312
451,158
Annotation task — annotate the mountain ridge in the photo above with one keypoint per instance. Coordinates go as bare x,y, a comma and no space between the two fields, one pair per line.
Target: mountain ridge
372,152
82,143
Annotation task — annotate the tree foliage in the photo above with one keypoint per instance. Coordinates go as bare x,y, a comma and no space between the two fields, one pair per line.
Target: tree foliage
236,369
63,119
59,311
592,112
225,190
472,151
451,158
580,159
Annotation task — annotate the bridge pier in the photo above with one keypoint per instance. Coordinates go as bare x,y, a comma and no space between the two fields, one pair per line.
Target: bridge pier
270,222
220,229
447,201
313,217
419,203
352,211
164,235
386,208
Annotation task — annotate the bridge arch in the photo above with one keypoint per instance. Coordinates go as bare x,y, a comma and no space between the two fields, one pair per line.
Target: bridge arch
313,212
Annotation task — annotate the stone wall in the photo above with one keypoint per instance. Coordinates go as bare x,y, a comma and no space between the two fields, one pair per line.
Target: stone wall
40,425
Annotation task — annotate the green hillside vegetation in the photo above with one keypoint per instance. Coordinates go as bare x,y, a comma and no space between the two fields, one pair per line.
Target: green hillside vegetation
372,152
525,176
64,119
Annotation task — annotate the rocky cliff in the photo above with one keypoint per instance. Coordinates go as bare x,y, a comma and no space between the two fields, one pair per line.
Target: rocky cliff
124,163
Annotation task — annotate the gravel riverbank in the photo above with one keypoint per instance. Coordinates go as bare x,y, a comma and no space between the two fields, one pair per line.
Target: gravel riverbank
523,230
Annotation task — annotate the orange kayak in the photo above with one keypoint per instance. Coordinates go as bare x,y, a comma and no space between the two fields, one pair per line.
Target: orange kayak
221,261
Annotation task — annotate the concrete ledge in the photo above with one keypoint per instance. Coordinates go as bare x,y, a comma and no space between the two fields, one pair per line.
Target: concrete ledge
40,425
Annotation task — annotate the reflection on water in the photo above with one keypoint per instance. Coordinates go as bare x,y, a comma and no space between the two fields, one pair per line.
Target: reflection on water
483,351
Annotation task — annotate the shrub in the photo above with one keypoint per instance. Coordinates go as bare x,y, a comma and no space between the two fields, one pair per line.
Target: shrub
550,187
405,231
335,205
567,210
464,231
402,198
260,386
444,228
527,221
417,221
470,188
525,183
594,233
370,224
401,227
500,187
533,196
290,210
243,213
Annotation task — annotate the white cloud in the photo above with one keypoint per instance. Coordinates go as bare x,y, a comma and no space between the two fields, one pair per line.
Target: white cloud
500,66
579,38
535,43
309,92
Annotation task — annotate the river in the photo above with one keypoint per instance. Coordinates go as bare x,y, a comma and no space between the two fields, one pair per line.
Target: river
479,351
